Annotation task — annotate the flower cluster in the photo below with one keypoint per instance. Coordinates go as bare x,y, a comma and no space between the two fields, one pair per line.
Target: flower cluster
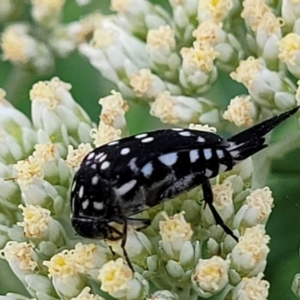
171,61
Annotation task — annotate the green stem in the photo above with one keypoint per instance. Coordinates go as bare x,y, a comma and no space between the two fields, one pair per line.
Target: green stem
262,161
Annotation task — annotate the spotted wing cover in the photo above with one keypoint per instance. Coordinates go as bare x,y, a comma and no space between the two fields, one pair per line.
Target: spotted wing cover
137,172
137,150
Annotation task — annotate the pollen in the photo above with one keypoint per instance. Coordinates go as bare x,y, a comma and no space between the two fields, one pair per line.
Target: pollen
216,10
3,101
164,108
211,274
254,12
253,244
271,24
252,288
262,200
53,5
161,38
75,156
201,127
175,227
87,25
28,170
240,111
49,92
86,295
141,81
61,265
115,276
120,6
200,57
222,194
247,70
15,44
103,37
105,134
45,152
19,254
35,221
83,257
208,33
289,49
112,106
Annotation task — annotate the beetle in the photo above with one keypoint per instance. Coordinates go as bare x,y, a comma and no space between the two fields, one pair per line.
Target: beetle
126,176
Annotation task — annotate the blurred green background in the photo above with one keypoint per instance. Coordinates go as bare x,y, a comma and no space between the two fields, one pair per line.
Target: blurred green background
88,86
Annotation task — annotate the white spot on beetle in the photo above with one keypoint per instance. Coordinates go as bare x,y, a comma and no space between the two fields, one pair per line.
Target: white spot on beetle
147,140
81,190
208,173
222,168
125,188
112,143
73,186
220,153
194,155
132,165
105,165
98,205
99,155
102,158
185,133
147,169
94,166
95,180
125,151
200,139
177,129
168,159
207,154
91,155
140,136
85,203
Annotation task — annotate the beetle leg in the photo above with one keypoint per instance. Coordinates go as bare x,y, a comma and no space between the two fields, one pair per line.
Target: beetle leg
208,197
123,243
140,223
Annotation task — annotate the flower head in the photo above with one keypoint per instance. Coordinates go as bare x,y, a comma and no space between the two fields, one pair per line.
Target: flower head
250,253
19,254
28,170
35,222
115,277
61,265
164,108
210,275
252,288
262,200
161,38
214,10
49,92
86,295
141,81
208,32
240,111
289,49
199,57
75,156
247,70
105,134
174,228
45,152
